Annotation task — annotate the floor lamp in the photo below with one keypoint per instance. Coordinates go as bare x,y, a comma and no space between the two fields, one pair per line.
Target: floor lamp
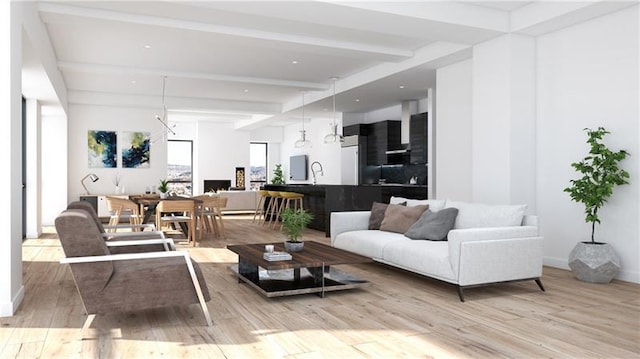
93,177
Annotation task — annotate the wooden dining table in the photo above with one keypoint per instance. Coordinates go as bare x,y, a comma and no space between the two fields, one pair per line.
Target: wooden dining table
148,204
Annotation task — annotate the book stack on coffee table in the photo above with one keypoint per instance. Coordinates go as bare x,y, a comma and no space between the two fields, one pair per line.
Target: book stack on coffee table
276,256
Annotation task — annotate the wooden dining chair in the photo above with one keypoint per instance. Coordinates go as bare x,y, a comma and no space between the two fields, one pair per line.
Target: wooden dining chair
178,211
205,213
122,208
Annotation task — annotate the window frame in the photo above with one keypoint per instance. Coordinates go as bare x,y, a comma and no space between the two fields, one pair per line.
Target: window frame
266,166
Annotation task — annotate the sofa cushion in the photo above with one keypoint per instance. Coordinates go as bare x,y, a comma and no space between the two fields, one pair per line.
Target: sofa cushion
400,218
367,243
433,226
476,215
434,204
429,258
377,214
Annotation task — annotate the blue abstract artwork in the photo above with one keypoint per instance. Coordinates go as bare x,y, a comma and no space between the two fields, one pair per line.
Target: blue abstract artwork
136,150
103,150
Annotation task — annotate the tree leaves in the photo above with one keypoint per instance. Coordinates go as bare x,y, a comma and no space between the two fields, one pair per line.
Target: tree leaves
600,174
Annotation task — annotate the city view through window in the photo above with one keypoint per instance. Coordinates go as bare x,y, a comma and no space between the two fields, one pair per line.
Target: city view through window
258,162
180,167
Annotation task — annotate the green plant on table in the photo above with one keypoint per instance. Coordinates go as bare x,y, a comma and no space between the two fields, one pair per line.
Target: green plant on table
294,221
600,174
164,186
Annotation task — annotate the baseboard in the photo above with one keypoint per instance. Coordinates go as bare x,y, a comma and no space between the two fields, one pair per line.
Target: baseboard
563,263
8,309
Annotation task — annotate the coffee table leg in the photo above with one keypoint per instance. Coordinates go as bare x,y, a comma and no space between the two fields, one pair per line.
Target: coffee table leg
296,274
248,270
318,277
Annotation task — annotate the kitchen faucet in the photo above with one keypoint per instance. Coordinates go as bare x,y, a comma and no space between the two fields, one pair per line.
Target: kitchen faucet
313,171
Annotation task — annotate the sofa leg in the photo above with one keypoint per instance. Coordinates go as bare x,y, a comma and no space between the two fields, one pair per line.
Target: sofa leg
539,283
461,293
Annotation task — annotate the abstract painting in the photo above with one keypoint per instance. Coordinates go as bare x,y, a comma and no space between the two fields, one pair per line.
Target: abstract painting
103,150
135,149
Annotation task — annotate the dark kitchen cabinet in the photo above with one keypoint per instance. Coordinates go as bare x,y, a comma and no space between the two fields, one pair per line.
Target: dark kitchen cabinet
418,137
381,136
357,129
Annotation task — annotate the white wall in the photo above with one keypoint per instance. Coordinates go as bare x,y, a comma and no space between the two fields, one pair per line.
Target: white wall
33,180
587,76
54,168
221,149
327,154
454,136
83,118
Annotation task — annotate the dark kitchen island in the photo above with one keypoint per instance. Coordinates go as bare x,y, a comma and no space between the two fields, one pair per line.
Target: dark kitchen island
321,200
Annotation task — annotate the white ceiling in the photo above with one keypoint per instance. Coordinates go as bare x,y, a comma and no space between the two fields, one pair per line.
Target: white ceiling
233,61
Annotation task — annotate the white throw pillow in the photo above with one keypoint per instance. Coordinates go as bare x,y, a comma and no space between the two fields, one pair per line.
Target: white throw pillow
434,204
477,215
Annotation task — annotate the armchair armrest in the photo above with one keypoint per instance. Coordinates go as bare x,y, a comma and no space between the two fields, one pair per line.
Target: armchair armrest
166,242
143,226
348,221
158,234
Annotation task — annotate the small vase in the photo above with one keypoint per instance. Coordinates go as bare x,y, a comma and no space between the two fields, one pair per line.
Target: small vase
163,195
293,246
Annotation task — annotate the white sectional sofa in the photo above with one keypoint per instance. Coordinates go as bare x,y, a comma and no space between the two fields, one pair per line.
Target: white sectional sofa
489,244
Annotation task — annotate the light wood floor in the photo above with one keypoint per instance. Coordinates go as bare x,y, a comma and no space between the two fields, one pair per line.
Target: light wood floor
399,315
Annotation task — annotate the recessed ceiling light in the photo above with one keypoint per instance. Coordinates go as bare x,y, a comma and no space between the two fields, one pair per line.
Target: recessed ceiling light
401,86
357,100
325,110
246,90
295,62
133,82
147,46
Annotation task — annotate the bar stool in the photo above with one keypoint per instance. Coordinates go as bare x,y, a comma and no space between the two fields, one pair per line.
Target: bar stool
273,207
289,199
260,212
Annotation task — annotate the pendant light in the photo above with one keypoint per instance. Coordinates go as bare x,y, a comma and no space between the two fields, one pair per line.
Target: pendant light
303,142
334,136
163,119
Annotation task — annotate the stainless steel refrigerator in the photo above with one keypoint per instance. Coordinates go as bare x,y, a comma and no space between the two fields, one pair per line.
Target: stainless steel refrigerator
350,161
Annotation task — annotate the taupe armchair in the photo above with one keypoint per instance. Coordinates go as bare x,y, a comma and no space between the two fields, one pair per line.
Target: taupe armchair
125,236
129,281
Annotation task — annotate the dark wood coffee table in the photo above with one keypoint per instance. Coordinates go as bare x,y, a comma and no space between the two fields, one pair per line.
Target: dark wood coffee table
310,271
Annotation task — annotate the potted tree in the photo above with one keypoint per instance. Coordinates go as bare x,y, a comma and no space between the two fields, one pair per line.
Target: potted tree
294,221
594,261
163,188
277,175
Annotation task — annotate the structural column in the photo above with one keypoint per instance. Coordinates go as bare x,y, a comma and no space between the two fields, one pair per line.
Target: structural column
11,288
504,161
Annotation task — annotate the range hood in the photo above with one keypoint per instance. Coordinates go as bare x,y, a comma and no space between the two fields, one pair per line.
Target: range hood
404,148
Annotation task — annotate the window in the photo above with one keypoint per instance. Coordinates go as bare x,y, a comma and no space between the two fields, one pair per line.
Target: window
258,162
180,166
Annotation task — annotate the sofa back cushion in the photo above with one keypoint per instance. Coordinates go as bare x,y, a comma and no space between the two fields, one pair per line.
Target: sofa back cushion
399,218
434,204
477,215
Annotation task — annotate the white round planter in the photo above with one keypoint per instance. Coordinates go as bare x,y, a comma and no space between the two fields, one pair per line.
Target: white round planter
293,246
595,263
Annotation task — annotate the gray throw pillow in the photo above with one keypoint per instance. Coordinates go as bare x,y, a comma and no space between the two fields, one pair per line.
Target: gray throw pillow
433,226
377,214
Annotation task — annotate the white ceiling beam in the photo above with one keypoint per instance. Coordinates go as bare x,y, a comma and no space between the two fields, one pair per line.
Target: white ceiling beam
129,70
382,52
540,18
172,103
450,12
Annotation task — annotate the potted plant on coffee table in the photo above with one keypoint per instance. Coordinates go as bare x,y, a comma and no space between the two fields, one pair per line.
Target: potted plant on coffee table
294,221
593,261
163,188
